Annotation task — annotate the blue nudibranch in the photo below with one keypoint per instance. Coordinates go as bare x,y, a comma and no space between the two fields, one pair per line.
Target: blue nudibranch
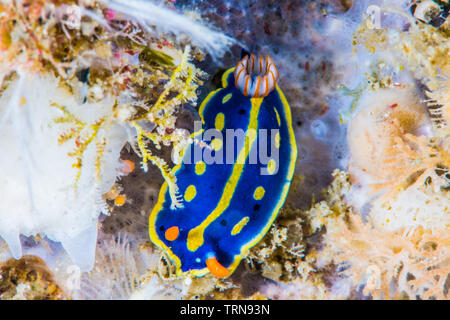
228,207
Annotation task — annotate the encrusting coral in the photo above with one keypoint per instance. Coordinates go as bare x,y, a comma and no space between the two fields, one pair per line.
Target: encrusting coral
393,150
383,264
357,260
28,279
384,118
398,137
422,49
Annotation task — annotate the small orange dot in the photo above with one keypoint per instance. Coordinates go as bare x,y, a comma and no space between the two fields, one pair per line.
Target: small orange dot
172,233
120,200
127,166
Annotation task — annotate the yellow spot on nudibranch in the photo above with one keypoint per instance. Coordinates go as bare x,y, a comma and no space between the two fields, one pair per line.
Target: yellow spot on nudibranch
200,168
217,144
238,226
277,140
226,98
220,121
278,116
271,166
190,193
259,193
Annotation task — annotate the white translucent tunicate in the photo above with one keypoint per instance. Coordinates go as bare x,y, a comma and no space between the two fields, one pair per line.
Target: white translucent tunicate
37,174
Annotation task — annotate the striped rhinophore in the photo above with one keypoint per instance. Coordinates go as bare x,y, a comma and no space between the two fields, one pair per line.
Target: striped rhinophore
256,77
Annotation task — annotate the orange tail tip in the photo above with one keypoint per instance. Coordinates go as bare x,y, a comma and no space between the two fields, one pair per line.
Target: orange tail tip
216,268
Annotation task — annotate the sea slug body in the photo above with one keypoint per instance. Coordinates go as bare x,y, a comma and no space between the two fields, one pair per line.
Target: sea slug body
228,206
